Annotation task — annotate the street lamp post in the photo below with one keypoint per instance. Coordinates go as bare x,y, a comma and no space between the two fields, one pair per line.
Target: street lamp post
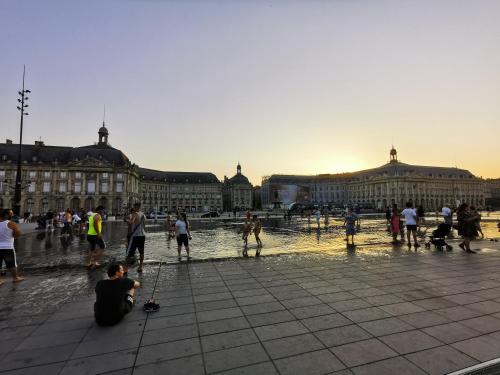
21,107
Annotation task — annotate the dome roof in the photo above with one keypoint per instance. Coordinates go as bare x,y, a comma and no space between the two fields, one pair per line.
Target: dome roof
103,130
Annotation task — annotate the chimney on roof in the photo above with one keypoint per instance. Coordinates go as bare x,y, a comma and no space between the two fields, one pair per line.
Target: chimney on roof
8,141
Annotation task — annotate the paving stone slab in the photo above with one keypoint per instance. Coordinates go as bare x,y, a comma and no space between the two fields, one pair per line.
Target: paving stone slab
124,328
48,340
458,313
386,326
364,315
485,307
35,357
482,348
463,298
397,365
252,300
312,311
342,335
100,363
265,368
106,344
227,340
52,369
483,324
348,305
451,332
441,360
167,351
383,299
335,297
207,316
62,326
262,308
410,341
402,308
235,357
158,336
192,365
170,321
301,302
278,330
224,325
312,363
434,303
270,318
361,352
293,345
325,322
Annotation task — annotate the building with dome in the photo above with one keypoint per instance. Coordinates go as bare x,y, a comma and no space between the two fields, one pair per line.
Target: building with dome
392,183
237,192
60,177
56,178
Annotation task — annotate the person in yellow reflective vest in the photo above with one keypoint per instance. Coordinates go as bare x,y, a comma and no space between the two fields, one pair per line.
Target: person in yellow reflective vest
94,237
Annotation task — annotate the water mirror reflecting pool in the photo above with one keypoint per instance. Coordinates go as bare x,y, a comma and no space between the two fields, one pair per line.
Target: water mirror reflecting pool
220,239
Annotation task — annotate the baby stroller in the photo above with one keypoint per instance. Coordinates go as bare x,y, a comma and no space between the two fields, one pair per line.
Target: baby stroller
438,237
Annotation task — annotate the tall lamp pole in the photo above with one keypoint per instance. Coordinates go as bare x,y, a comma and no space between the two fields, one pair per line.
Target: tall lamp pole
21,107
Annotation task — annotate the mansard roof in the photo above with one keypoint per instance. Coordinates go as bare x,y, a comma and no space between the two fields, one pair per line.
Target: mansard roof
239,179
402,169
42,154
179,177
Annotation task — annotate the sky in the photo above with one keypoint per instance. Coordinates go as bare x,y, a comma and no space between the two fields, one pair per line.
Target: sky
283,87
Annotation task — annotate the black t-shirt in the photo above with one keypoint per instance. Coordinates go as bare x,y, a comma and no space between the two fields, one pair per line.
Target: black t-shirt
110,307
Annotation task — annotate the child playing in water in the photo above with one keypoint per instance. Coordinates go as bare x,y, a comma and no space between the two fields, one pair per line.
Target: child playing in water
257,226
246,229
350,225
395,226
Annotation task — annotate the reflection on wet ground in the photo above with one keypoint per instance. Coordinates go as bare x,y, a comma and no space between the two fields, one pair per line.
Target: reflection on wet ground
218,239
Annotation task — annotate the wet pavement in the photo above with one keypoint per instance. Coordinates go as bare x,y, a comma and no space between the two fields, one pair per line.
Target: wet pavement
371,310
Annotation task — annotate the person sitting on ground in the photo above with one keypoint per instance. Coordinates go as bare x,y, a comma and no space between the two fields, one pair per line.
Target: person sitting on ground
114,296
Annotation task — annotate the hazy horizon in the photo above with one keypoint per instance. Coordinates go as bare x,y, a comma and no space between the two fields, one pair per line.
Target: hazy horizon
283,87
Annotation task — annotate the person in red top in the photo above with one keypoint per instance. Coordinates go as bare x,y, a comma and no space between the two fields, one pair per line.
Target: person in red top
249,215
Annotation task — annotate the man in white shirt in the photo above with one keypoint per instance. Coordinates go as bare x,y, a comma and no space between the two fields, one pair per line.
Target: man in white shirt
411,223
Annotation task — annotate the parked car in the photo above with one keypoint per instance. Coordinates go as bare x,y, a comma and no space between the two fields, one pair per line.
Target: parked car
157,215
211,214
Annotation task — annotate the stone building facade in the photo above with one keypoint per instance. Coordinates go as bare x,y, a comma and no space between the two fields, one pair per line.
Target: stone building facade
237,192
377,188
185,191
57,177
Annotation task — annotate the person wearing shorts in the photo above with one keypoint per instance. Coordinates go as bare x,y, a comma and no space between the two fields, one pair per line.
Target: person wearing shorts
137,225
114,297
410,216
8,231
182,234
94,237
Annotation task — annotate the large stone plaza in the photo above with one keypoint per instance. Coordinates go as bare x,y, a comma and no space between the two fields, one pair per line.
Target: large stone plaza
411,313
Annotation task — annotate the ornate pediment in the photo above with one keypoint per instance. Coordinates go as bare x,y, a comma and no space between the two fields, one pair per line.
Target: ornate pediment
89,162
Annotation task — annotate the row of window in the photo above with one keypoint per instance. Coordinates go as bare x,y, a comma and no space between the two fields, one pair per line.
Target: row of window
77,187
61,174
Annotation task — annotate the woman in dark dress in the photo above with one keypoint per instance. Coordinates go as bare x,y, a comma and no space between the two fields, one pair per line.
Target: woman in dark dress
466,226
